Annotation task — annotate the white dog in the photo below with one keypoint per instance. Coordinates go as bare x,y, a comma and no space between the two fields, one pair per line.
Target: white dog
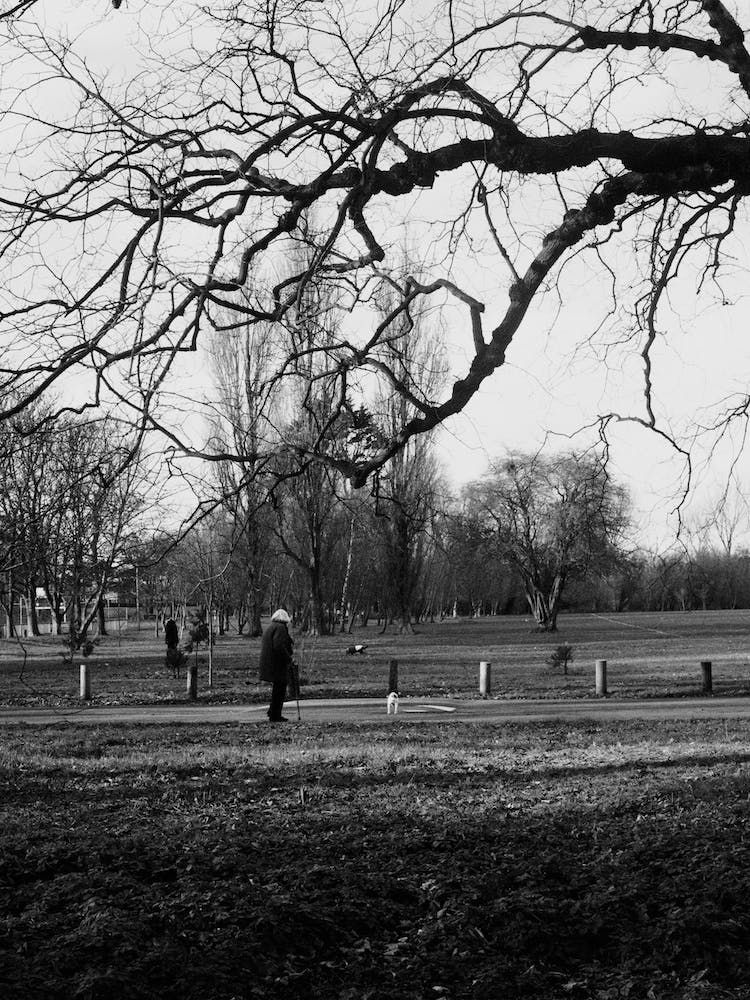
392,703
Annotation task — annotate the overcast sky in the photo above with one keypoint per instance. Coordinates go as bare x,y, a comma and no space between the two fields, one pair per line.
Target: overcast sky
550,383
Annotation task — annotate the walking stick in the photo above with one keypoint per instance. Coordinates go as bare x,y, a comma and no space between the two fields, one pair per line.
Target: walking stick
295,684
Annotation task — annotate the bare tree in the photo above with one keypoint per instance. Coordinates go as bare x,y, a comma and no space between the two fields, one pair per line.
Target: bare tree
729,517
522,137
554,519
247,412
26,506
412,356
96,494
477,578
306,502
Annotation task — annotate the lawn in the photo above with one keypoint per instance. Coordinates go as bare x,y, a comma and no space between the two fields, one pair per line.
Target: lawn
596,862
648,655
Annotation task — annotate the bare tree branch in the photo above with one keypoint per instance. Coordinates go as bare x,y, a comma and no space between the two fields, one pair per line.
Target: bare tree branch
141,212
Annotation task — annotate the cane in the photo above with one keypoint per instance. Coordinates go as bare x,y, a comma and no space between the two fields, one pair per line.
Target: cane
295,684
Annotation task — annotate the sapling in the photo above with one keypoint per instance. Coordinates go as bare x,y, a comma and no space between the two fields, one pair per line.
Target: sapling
77,642
562,656
198,630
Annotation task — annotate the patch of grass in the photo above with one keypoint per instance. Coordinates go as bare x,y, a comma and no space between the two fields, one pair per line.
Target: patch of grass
648,655
548,860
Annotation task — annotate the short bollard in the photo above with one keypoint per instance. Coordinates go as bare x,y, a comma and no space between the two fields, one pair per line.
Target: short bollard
601,677
706,676
485,678
85,688
192,681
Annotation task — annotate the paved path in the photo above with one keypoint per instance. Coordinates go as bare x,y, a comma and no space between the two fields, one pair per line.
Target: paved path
410,710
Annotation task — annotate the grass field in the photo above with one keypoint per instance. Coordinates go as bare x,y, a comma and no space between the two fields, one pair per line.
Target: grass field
648,655
190,862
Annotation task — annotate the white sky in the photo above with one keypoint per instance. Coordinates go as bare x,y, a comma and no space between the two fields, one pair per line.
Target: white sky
545,386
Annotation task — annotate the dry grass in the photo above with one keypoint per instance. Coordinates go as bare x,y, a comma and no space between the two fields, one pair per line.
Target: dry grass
648,655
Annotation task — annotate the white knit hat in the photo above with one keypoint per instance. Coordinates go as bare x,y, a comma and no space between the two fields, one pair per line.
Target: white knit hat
280,616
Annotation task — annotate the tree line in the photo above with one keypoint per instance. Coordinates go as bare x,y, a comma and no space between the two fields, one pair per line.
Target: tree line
535,535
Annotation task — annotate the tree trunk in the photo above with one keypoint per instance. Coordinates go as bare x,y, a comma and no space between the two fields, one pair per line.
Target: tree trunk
241,617
32,618
253,609
347,575
544,616
317,625
101,619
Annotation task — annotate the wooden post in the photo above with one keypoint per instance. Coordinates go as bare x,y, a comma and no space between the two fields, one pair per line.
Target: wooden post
85,689
706,676
192,681
601,677
485,678
393,676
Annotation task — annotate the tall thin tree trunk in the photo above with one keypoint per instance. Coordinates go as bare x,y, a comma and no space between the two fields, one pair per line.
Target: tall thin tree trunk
347,575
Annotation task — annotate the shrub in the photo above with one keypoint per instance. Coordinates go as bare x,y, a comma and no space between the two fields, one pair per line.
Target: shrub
561,657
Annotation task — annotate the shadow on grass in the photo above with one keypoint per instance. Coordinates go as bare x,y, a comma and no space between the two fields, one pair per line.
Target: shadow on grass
205,873
375,898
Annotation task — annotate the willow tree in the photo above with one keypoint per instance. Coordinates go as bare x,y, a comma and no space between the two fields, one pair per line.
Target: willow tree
528,139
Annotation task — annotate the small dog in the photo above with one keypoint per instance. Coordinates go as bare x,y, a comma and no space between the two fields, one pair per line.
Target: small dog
391,703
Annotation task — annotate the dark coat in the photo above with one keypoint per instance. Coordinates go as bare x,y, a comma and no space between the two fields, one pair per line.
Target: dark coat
171,635
276,653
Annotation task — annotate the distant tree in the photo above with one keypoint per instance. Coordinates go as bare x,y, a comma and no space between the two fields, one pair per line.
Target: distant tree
412,357
306,504
26,506
480,577
308,529
553,519
406,508
246,424
70,493
98,491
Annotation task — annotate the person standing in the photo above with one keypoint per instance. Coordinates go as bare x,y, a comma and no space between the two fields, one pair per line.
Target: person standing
171,634
276,661
175,658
